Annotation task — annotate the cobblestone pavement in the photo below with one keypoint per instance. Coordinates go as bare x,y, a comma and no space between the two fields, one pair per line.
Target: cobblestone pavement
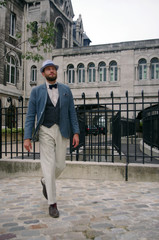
89,209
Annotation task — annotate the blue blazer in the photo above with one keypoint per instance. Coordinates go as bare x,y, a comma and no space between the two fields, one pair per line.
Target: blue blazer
36,108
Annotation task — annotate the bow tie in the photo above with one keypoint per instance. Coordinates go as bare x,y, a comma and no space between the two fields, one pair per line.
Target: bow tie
53,86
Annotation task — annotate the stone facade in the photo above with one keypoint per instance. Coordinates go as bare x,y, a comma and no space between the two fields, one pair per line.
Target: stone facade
119,67
17,76
11,72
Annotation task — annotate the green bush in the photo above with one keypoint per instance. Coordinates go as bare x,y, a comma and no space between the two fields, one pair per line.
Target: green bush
14,130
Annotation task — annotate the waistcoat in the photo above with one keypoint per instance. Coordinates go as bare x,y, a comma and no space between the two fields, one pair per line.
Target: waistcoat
52,113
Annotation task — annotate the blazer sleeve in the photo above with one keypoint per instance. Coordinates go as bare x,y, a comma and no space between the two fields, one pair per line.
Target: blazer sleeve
73,115
30,116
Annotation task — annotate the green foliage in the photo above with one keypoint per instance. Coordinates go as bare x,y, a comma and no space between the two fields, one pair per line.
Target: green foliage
42,37
32,56
14,130
18,35
3,2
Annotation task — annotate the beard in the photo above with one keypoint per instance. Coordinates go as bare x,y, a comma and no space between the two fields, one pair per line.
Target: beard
51,79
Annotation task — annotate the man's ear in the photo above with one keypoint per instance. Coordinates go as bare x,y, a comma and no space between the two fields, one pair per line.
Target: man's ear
43,74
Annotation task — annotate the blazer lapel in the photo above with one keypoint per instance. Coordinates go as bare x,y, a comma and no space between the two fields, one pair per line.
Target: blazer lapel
61,92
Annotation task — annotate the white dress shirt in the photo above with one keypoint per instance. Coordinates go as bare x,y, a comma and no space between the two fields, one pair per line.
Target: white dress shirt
53,94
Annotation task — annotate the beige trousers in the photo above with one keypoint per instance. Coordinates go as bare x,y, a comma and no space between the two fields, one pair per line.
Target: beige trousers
52,155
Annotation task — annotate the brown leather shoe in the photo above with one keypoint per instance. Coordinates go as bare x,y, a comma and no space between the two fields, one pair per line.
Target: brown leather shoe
44,188
53,211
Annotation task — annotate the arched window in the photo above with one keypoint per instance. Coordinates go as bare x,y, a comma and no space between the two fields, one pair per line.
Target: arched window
81,73
33,73
142,69
113,71
71,73
11,69
102,72
154,68
12,29
91,72
59,36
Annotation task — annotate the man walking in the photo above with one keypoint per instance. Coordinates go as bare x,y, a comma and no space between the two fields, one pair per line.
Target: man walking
52,104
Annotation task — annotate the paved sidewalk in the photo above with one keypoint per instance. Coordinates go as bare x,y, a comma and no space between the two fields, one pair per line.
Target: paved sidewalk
89,209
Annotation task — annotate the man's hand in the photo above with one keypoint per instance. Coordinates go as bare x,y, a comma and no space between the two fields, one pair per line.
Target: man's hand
75,141
27,144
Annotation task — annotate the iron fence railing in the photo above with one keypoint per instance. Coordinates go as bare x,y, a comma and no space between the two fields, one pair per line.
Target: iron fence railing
111,131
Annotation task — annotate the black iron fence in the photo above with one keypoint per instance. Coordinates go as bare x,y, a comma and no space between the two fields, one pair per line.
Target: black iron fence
112,130
151,126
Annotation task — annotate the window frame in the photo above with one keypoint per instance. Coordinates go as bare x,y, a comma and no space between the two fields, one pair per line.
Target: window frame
12,29
81,73
154,68
102,72
11,70
33,75
113,71
142,69
70,74
91,73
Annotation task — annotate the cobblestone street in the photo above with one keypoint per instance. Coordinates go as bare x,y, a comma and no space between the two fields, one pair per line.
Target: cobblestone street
89,209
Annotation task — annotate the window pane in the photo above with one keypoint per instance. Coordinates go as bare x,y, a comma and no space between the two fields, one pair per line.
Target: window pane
33,75
12,74
140,72
12,24
36,75
73,74
69,76
83,75
104,74
89,75
79,77
111,74
8,59
157,71
12,61
8,73
145,72
152,71
94,75
100,75
116,75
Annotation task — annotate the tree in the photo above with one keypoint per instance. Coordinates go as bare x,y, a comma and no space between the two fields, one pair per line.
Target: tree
3,2
42,37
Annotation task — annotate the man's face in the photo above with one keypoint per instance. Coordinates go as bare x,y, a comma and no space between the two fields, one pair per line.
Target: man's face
50,73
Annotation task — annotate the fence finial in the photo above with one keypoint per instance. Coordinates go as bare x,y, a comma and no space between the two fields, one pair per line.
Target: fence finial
20,98
9,99
97,95
111,94
126,93
83,95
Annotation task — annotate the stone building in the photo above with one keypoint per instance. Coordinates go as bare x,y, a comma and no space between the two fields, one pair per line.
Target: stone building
18,76
118,67
11,71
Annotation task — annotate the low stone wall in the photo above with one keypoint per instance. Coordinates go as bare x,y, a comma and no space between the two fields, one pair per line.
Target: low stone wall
83,170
